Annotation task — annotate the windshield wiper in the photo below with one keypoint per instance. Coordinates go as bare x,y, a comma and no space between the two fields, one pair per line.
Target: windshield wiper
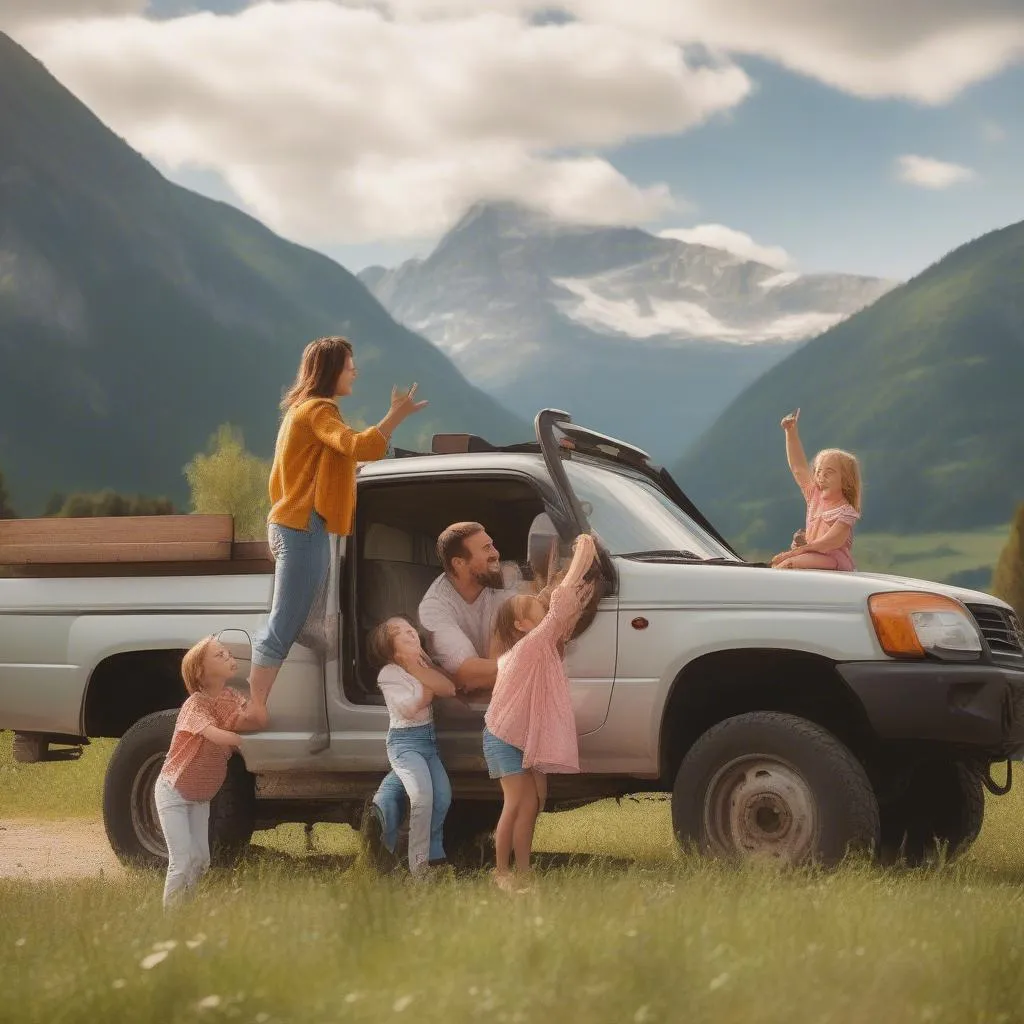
677,555
656,553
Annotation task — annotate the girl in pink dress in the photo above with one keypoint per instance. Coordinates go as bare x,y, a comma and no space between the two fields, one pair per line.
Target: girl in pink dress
530,727
831,488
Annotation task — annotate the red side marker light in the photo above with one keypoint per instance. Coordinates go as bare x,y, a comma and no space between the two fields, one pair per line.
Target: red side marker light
639,623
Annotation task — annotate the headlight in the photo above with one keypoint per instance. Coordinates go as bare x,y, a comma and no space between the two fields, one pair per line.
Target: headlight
911,625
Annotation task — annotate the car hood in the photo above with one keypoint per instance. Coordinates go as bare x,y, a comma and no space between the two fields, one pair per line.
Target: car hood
687,584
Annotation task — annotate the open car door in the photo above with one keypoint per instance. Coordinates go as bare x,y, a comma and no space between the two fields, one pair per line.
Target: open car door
559,437
555,435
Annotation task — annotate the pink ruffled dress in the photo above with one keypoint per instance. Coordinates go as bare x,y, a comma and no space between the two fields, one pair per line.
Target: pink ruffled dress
531,706
821,519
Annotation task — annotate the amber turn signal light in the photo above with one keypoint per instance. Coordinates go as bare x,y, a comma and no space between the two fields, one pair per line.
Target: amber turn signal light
893,618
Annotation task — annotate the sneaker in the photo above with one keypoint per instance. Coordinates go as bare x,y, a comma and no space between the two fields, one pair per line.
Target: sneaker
371,832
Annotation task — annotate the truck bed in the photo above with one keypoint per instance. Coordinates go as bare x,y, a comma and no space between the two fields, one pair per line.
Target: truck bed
179,545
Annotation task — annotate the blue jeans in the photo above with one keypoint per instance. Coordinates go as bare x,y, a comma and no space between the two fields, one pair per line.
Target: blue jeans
302,560
501,757
416,762
390,801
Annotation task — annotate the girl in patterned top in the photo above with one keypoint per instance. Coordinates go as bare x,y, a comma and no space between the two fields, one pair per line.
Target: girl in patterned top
205,735
529,726
832,490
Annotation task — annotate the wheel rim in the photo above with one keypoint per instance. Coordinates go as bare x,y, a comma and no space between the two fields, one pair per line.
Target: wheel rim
145,820
761,807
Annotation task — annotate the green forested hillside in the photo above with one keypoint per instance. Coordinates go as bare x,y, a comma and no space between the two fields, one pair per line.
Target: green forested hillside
136,316
926,387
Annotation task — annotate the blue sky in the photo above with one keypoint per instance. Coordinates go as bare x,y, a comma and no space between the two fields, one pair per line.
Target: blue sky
371,163
804,166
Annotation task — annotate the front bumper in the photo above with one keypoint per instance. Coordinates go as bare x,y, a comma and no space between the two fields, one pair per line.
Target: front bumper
976,705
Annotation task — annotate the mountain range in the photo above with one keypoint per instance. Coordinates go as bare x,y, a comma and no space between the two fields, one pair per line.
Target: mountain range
647,337
926,387
136,316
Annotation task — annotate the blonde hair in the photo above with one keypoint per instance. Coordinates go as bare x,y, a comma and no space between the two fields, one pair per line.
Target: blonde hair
192,664
849,473
506,632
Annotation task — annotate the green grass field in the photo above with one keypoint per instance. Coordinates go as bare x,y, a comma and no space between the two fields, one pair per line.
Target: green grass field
934,556
966,558
625,930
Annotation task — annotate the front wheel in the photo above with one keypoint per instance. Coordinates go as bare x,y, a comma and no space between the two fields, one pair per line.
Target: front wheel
766,785
942,809
129,804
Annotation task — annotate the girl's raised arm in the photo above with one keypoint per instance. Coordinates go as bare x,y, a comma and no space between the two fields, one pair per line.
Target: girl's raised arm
795,455
584,553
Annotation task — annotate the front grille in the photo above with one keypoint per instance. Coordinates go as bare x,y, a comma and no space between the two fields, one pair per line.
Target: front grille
1000,628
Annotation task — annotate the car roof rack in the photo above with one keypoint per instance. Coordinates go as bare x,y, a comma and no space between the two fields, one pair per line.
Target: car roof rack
582,441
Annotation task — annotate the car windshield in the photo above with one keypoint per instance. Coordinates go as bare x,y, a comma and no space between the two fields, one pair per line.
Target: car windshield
631,514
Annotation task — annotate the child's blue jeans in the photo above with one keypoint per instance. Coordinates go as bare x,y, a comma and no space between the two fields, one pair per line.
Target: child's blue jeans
416,768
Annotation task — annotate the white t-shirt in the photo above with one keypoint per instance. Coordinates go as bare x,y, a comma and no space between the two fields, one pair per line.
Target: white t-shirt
459,630
402,692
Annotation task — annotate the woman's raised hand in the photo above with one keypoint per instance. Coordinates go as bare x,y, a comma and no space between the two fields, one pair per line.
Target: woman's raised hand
789,421
404,404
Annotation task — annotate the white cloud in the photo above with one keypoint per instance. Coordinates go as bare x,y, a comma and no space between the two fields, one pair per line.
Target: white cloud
718,236
341,121
338,124
993,131
16,13
922,50
929,173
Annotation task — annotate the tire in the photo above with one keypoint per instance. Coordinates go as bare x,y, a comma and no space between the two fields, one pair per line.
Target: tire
942,807
129,808
467,827
775,786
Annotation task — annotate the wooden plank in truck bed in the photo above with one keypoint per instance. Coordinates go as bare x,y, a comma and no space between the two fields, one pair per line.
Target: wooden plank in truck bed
113,539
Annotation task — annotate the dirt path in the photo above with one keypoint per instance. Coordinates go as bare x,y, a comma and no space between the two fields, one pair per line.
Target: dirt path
38,850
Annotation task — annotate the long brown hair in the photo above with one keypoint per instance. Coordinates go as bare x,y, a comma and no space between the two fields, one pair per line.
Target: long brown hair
322,361
505,632
380,641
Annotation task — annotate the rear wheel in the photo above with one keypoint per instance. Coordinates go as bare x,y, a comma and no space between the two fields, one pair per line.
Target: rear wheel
942,808
129,805
766,785
467,830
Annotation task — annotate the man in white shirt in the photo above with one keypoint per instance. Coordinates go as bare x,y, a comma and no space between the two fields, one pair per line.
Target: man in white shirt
459,608
458,613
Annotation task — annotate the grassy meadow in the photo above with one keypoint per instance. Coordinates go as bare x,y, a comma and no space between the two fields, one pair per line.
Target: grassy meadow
619,927
966,558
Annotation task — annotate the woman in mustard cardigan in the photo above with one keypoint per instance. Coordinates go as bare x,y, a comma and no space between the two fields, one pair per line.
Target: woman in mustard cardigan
312,494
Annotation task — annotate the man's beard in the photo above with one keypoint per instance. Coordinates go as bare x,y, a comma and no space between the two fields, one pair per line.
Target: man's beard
492,579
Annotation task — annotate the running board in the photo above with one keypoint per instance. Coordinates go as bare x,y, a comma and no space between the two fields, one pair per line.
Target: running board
34,747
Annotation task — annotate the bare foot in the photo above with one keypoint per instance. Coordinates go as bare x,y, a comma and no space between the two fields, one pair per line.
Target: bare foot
504,881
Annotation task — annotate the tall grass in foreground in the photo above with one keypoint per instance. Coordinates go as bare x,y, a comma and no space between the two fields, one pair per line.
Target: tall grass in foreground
628,931
686,941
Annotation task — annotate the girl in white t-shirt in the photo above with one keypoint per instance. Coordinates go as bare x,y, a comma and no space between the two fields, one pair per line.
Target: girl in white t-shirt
410,682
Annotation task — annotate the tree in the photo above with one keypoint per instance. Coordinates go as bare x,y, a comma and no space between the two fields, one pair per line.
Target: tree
1008,580
229,479
54,503
84,505
6,512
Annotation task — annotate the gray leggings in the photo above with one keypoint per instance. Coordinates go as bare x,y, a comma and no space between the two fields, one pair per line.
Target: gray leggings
186,827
